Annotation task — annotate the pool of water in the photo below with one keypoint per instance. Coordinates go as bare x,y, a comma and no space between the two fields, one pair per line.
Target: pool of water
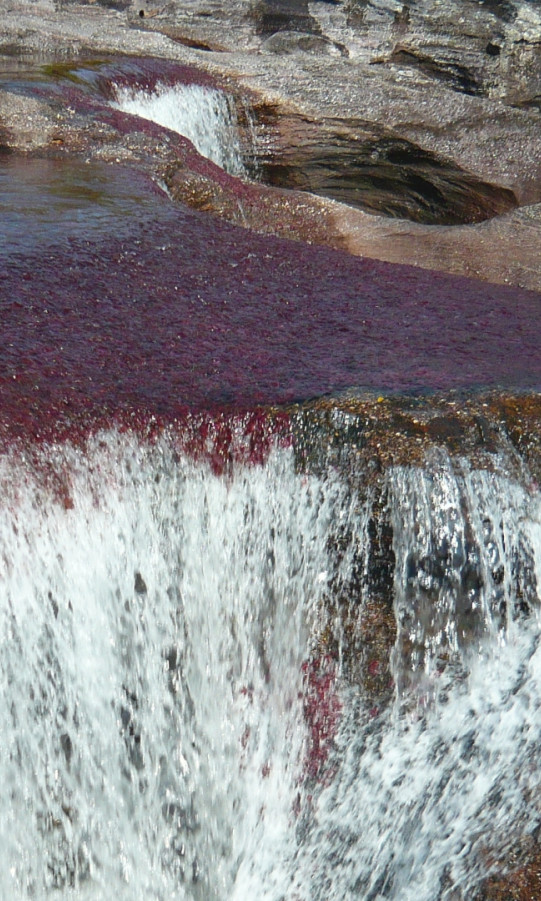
116,300
47,203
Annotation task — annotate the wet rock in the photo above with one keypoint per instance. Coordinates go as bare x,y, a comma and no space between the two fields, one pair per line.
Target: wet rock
131,731
139,584
67,747
520,879
519,417
270,16
321,708
202,193
359,629
375,170
366,628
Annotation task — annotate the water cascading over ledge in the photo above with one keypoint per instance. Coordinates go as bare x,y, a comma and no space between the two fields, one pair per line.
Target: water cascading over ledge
205,696
155,622
256,645
202,114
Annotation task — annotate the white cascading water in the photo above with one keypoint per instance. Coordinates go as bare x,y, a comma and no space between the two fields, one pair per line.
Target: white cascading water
204,115
155,618
434,793
153,636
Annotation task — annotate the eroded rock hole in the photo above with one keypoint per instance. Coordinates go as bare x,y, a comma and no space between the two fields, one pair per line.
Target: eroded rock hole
380,173
346,160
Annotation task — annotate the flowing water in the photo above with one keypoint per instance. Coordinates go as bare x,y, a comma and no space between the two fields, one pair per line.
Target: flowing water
153,634
160,626
202,114
261,680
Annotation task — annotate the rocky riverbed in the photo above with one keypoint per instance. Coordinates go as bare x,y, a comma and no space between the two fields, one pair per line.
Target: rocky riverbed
398,145
423,117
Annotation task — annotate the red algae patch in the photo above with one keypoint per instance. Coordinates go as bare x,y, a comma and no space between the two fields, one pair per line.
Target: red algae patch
116,302
322,708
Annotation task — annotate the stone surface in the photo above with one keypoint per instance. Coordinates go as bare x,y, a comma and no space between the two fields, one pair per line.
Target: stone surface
456,83
523,883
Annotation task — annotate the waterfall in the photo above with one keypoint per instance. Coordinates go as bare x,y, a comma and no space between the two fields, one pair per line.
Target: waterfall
433,790
154,622
189,707
204,115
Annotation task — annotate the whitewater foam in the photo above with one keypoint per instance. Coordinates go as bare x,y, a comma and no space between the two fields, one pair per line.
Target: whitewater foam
156,620
204,115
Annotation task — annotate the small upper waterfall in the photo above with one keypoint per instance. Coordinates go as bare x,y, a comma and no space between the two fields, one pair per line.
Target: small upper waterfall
204,115
190,661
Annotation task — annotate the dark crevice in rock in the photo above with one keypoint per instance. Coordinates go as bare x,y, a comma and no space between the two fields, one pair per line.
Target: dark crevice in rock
271,16
378,173
118,5
533,103
4,142
457,75
11,49
192,42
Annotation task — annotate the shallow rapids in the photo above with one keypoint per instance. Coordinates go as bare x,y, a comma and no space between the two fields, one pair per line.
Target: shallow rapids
178,722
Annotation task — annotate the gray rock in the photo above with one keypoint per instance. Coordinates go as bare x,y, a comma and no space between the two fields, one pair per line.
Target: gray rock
295,41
